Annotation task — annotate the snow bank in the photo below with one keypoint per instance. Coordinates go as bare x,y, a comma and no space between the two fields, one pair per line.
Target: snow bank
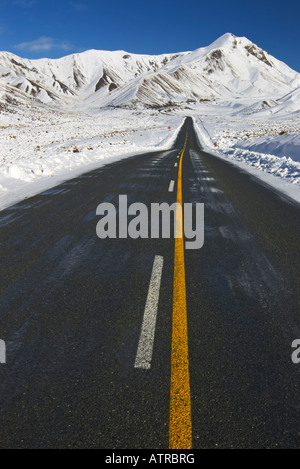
38,156
283,167
279,172
285,145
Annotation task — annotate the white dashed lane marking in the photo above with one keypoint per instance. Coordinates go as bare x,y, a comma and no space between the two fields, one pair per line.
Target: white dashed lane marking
171,186
145,347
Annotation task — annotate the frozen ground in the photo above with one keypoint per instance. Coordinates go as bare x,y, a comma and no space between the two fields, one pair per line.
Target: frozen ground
268,146
42,151
40,147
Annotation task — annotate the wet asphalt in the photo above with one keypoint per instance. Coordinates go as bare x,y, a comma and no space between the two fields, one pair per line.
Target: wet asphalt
72,305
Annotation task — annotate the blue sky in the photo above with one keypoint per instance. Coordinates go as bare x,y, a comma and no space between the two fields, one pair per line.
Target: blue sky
41,28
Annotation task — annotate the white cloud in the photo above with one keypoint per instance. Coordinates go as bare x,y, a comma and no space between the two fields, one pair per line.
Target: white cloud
44,43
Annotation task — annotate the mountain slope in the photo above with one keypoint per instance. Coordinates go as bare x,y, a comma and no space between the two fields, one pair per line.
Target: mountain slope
230,67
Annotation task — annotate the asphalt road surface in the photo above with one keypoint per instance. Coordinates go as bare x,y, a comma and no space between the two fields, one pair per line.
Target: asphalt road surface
140,343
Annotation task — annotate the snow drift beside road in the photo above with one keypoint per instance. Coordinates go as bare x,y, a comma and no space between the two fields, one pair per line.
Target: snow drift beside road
286,145
279,172
38,156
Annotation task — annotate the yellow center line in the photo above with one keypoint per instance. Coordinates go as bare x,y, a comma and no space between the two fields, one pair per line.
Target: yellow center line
180,427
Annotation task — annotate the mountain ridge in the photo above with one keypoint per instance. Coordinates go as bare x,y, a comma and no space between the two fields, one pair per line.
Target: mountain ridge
229,68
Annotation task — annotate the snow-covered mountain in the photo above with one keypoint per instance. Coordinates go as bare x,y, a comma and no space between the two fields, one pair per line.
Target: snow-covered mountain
229,68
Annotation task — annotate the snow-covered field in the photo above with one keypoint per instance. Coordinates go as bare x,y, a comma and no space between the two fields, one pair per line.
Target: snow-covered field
44,147
266,146
50,147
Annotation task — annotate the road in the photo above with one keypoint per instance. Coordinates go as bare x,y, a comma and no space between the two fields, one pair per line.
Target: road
213,368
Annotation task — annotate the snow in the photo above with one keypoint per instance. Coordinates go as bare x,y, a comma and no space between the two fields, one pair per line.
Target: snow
227,137
61,118
45,147
39,154
230,67
283,146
